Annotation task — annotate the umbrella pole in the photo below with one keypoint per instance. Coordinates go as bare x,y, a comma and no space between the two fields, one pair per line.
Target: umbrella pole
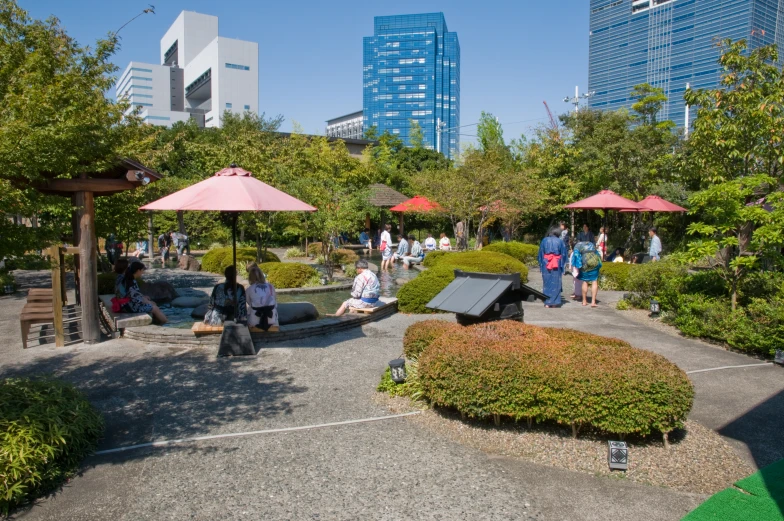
234,262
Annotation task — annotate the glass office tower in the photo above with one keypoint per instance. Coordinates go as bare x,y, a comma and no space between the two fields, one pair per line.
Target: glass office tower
411,71
669,43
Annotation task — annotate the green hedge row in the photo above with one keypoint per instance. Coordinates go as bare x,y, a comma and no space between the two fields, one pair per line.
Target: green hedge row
414,295
614,276
528,254
515,370
218,259
47,428
288,274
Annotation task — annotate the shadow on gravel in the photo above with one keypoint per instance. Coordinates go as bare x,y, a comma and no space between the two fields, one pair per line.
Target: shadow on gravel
164,397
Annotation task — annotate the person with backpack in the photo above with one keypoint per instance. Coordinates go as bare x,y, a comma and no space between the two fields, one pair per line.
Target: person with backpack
587,260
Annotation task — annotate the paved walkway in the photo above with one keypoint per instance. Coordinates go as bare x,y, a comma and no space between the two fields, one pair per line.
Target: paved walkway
389,469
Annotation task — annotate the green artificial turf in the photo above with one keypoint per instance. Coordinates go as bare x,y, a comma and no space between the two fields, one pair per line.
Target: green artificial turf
760,498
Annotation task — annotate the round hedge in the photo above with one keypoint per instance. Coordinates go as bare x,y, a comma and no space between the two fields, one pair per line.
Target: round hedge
420,335
344,256
528,254
413,296
614,276
521,371
218,259
314,248
47,428
432,257
288,274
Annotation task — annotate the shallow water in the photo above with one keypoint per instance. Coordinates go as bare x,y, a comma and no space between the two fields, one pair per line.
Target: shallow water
325,303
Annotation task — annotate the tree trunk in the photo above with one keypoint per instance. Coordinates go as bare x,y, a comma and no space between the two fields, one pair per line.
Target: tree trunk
180,223
88,267
150,238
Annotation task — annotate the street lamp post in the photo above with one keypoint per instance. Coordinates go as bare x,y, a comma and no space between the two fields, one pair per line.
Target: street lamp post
576,99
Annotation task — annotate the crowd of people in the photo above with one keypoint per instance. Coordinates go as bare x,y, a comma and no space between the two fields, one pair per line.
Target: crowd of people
582,258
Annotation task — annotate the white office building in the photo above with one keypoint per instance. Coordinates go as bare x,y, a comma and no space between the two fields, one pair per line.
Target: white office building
201,75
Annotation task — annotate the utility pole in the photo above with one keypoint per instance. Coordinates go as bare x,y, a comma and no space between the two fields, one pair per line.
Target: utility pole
439,128
686,119
576,99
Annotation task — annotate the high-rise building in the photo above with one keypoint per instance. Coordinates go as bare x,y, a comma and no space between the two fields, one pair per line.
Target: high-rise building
201,75
411,71
670,43
348,126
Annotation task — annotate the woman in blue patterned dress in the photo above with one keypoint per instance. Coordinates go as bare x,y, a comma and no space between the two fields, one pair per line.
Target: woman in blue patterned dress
139,303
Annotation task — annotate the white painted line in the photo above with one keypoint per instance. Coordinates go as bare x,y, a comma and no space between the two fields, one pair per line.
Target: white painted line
729,367
164,443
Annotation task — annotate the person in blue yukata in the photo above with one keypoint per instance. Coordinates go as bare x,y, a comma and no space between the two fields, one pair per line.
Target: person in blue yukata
552,259
655,249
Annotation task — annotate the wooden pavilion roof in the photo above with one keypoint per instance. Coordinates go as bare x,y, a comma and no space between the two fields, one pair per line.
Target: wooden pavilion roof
382,196
113,180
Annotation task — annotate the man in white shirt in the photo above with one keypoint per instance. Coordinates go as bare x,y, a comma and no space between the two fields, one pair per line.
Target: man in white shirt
417,254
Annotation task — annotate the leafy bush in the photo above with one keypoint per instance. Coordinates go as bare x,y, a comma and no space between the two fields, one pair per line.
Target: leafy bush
421,334
528,254
47,428
758,327
6,279
705,283
413,296
410,387
29,261
614,276
646,280
344,256
705,317
294,253
217,260
623,305
521,371
288,274
106,283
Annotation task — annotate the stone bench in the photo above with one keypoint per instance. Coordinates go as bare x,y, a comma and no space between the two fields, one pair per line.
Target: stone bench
383,302
123,320
202,329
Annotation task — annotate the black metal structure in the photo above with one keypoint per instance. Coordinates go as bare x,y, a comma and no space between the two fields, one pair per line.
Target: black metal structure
484,297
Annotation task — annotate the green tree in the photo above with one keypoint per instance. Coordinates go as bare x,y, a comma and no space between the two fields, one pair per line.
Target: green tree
490,133
415,136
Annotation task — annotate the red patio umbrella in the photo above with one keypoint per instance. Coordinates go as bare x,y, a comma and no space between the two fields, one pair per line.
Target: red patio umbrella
231,190
605,200
654,203
416,204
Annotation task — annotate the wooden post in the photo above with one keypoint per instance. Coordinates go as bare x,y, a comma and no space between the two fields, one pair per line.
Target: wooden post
400,223
57,296
88,267
180,222
367,220
150,238
75,231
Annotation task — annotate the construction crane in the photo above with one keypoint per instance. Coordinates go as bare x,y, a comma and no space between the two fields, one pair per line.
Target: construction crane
553,122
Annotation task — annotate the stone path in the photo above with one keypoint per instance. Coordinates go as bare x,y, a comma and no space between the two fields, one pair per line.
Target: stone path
382,470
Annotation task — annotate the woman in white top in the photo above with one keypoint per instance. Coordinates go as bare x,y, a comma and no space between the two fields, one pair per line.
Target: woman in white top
262,301
386,247
601,243
444,243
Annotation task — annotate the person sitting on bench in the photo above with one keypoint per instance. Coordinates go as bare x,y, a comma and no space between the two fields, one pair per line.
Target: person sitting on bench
262,300
139,303
364,292
222,303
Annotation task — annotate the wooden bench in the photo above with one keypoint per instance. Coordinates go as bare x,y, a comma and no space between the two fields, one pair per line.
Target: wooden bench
202,329
40,291
30,316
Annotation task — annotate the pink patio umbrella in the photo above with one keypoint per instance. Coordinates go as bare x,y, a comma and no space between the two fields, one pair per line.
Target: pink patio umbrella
654,203
416,204
231,190
604,200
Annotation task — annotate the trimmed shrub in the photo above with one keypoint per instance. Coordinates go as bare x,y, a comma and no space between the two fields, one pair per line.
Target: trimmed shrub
217,260
288,274
414,294
47,428
705,317
758,327
344,256
528,254
614,276
421,334
314,248
520,371
432,257
646,280
410,387
6,279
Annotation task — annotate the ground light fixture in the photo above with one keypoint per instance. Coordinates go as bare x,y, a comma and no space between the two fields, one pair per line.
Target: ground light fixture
779,359
397,368
655,307
617,455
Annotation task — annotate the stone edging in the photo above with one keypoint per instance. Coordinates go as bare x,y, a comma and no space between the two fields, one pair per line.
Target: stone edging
317,289
171,337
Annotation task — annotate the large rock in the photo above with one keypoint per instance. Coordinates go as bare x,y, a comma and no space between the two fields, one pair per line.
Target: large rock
189,263
187,302
200,311
160,291
296,312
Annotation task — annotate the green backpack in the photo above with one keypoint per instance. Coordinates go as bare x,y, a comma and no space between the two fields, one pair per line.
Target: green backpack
591,260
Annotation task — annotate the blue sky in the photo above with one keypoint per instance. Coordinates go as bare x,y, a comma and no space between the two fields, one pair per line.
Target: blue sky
514,54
